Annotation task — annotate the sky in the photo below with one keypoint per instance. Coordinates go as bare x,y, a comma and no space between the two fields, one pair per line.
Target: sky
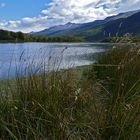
36,15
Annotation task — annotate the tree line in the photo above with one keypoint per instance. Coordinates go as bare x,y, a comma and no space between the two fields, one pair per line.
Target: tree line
9,36
122,39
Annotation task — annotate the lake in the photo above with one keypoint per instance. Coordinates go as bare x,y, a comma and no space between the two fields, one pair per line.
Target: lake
27,58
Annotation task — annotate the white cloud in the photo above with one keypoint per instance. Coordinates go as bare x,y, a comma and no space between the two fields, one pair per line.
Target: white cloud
77,11
44,11
2,4
88,10
26,24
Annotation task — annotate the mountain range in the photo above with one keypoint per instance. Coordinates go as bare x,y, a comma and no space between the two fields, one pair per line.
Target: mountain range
98,30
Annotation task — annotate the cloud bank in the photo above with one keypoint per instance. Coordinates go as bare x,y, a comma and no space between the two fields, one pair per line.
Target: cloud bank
76,11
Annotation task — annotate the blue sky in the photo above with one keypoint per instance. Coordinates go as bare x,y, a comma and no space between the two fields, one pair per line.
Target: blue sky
17,9
35,15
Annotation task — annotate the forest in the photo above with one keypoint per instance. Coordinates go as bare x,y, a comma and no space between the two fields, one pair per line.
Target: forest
9,36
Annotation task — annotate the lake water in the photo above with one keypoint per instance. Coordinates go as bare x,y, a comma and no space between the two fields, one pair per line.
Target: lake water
26,58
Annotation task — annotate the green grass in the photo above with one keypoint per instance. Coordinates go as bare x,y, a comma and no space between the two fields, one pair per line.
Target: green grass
88,103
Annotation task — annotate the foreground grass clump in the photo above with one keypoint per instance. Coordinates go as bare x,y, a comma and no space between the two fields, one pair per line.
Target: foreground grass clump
102,103
50,106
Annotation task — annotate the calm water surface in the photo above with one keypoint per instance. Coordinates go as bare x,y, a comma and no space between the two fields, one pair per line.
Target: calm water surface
26,58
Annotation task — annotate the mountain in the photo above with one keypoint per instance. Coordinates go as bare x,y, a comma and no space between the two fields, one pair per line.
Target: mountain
120,24
69,27
122,15
58,29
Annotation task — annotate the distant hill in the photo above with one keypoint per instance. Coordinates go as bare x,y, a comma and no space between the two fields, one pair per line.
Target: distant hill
120,24
56,30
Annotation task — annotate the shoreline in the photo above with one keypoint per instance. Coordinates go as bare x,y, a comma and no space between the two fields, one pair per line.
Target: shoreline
49,72
95,43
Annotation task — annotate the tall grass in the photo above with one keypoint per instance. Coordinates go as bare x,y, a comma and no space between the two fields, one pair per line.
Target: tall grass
100,102
119,70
